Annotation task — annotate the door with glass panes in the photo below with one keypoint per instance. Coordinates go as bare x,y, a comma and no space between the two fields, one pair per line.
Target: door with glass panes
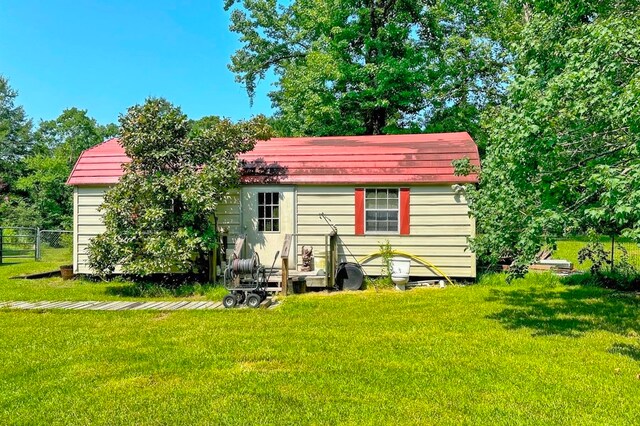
267,215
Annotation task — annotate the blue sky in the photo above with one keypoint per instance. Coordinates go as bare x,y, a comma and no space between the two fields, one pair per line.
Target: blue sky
106,55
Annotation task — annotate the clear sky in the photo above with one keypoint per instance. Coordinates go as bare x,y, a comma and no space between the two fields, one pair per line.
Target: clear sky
106,55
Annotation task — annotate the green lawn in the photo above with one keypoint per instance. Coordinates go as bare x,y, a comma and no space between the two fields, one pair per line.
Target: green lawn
531,352
83,289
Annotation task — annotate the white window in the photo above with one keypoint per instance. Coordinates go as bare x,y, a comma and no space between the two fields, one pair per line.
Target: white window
381,210
269,211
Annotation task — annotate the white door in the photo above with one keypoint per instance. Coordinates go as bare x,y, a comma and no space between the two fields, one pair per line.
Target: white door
267,215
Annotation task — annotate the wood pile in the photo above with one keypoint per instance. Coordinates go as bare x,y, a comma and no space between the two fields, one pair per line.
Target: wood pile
545,263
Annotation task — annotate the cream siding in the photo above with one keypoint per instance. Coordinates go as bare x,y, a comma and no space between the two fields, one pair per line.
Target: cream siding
230,219
440,227
228,213
87,223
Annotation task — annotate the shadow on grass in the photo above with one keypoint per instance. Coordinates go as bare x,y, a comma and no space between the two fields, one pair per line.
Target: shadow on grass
631,351
142,289
569,311
147,289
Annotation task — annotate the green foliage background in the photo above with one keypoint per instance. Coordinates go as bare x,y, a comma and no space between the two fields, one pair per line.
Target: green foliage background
562,151
34,165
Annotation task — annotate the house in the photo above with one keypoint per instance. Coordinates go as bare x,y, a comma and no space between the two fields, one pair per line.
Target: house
399,188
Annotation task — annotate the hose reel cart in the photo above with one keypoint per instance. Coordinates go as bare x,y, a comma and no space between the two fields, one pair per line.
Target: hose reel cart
247,281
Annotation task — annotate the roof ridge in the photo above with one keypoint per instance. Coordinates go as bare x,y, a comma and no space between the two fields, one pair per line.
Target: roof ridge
87,150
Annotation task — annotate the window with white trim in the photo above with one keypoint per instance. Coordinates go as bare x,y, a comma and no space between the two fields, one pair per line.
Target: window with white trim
269,211
382,209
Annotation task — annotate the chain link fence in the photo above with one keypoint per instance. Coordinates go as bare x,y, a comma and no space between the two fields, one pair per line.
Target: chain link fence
618,250
19,244
55,245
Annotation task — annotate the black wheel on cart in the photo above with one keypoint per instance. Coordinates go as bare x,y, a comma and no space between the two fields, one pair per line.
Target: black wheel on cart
253,300
240,297
229,301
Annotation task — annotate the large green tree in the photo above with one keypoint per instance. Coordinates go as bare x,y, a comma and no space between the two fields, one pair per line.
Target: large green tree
160,216
371,66
59,143
15,136
563,152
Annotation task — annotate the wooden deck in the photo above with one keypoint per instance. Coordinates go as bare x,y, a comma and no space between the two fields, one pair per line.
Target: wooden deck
122,305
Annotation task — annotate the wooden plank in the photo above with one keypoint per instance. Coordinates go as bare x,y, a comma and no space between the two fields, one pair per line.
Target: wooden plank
237,250
196,305
189,306
82,305
205,305
286,246
171,306
112,306
117,306
163,306
132,306
101,306
202,305
285,275
55,305
141,306
41,303
217,305
151,306
177,305
20,305
95,306
145,306
155,305
125,306
36,305
73,305
50,305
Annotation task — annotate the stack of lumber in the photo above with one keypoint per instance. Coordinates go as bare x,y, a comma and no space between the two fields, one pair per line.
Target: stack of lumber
556,265
545,263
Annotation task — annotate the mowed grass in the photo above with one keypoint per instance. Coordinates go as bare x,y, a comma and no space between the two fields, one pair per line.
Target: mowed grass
530,352
84,289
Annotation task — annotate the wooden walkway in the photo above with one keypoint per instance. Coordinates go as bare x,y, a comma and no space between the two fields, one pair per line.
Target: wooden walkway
121,306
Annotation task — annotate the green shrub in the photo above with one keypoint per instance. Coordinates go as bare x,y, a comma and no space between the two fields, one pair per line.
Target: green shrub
378,282
386,253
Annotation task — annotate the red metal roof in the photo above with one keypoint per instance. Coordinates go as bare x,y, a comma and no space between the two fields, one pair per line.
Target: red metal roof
385,159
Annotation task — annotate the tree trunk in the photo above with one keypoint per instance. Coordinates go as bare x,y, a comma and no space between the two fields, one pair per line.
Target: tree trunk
528,13
376,119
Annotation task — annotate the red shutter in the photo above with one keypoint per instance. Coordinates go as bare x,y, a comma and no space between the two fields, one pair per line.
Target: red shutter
405,211
359,211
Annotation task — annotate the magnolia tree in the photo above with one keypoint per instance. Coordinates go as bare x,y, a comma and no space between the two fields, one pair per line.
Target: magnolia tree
562,155
160,216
